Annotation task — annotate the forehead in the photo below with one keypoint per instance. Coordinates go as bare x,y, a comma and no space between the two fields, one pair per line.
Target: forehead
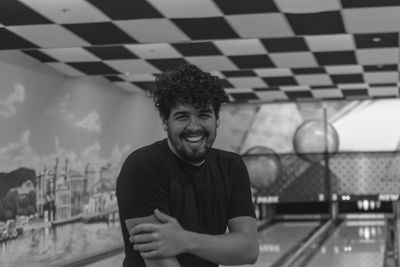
190,108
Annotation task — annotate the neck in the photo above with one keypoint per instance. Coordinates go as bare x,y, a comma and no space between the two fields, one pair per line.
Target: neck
179,156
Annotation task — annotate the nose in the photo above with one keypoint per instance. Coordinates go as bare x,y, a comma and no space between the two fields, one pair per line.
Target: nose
193,124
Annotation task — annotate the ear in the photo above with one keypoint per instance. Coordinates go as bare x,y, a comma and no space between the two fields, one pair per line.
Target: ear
164,124
217,122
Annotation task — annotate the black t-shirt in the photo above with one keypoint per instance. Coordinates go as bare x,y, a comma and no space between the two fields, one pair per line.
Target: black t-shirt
202,198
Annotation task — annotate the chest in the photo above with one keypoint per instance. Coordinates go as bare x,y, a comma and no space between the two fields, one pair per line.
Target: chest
199,199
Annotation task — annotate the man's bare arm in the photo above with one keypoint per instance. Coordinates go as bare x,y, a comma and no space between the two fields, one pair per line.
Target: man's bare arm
158,262
240,246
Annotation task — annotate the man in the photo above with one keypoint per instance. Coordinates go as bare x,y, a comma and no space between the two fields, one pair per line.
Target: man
178,196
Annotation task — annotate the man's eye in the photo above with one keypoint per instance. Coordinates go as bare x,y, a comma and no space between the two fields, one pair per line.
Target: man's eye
204,116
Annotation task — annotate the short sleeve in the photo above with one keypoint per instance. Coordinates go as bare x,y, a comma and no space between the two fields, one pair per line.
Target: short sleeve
141,187
241,203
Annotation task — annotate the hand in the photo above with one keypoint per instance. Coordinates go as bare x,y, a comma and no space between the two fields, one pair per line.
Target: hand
159,240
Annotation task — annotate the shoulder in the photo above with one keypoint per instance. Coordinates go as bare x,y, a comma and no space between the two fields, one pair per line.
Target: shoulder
148,161
153,152
224,156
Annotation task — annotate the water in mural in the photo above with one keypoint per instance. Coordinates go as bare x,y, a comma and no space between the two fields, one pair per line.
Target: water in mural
57,214
49,246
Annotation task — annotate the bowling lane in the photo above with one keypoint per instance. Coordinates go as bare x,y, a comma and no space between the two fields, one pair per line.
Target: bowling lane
354,243
278,239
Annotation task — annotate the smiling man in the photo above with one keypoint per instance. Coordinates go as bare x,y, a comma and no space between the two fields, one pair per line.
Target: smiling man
178,197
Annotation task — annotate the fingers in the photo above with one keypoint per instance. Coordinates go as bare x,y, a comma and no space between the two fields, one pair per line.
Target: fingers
162,217
143,238
145,227
147,247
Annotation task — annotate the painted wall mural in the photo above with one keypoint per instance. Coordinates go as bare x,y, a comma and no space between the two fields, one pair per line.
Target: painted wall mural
62,143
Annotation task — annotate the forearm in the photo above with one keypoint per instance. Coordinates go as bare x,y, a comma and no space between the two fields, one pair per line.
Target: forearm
164,262
228,249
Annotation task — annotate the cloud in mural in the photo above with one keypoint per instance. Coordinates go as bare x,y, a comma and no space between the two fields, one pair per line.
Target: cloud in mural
20,153
16,153
7,105
90,123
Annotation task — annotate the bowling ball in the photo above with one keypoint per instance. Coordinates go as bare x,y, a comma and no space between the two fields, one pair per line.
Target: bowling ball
309,140
264,166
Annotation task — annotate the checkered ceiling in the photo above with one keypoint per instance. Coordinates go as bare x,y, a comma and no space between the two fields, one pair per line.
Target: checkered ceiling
281,50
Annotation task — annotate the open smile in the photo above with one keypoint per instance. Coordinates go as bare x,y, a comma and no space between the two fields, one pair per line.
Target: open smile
193,138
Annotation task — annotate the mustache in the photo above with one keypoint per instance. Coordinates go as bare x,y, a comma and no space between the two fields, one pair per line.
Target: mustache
198,132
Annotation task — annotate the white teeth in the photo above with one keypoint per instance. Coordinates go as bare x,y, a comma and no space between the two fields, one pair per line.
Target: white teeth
193,138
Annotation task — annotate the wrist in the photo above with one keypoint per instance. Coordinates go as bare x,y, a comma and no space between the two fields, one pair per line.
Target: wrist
189,241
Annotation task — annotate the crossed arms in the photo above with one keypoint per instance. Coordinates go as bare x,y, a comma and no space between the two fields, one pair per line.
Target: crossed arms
160,238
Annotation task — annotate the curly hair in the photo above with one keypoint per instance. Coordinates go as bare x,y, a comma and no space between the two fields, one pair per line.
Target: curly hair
188,85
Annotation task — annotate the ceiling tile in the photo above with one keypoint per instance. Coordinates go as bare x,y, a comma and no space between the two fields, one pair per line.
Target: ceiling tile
327,93
247,82
271,95
294,60
71,11
333,42
381,77
280,81
368,3
252,6
13,12
347,78
344,69
252,61
154,51
133,66
316,23
212,63
335,58
244,97
197,49
111,52
153,30
307,6
48,36
93,68
187,8
206,28
74,54
389,91
239,73
42,57
315,79
109,33
141,78
376,40
114,78
10,40
372,20
376,68
290,44
278,72
297,95
240,47
307,71
126,9
260,25
378,56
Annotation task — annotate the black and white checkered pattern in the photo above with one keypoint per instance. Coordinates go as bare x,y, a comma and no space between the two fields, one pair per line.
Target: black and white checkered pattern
263,50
